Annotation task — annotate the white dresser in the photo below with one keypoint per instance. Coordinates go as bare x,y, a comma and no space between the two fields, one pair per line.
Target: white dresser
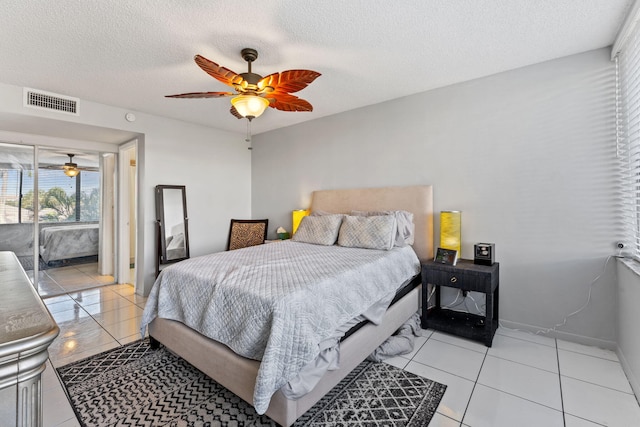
26,331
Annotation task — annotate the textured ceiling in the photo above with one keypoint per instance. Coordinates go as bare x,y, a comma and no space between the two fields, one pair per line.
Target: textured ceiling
131,53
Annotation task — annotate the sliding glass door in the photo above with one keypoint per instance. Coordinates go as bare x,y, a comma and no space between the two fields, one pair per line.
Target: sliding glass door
17,178
57,215
70,194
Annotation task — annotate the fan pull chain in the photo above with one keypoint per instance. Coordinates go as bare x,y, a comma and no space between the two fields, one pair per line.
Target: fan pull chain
248,138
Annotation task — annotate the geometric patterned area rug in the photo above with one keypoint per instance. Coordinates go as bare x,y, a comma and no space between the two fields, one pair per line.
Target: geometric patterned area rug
134,385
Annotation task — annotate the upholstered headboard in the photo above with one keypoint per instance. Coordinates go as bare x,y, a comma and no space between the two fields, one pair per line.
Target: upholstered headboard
415,199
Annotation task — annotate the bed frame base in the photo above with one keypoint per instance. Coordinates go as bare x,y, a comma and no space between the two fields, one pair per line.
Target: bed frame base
238,374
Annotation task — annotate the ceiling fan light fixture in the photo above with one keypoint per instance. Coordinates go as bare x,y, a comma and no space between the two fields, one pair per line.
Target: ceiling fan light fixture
250,106
71,169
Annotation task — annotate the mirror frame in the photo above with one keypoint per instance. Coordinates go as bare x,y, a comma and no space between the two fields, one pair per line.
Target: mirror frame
160,221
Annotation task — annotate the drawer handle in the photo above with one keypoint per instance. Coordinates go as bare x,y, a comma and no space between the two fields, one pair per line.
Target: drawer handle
454,279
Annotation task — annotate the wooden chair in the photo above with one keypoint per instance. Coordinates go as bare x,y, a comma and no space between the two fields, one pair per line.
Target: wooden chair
247,232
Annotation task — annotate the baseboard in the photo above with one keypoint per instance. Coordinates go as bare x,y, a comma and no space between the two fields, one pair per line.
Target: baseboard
579,339
633,380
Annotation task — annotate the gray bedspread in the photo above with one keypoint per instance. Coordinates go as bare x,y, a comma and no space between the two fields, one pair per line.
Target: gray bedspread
69,241
276,302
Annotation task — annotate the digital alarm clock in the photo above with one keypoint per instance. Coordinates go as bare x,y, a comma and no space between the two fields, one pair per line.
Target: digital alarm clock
484,253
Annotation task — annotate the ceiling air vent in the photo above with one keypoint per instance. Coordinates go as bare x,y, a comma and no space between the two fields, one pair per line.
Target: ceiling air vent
50,101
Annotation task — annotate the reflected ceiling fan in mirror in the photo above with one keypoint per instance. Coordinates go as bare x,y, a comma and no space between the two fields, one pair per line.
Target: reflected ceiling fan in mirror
254,93
70,168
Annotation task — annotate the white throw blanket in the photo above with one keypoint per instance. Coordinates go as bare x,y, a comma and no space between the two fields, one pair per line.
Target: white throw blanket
276,302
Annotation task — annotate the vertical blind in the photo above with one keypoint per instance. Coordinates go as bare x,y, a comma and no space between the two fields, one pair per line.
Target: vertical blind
62,199
628,135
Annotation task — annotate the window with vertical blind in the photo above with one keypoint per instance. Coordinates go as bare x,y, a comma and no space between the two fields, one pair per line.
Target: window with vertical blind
68,199
628,130
12,200
61,198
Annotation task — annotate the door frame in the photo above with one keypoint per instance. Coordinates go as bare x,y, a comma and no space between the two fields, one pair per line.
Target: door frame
123,217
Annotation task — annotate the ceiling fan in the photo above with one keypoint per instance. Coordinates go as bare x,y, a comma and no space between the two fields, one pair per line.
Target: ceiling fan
255,93
70,168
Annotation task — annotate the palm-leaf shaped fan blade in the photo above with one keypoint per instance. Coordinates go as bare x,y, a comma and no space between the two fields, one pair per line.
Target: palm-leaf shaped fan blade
201,95
276,87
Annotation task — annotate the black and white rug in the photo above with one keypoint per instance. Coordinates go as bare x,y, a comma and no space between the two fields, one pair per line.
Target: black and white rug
133,385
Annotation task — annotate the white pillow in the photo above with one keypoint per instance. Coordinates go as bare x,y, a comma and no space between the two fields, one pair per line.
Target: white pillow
369,232
176,242
405,227
319,230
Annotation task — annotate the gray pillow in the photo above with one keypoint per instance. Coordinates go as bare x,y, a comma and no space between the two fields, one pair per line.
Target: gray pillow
319,230
369,232
405,228
322,213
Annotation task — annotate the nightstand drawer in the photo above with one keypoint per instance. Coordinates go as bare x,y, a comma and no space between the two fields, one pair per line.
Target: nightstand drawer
444,278
467,279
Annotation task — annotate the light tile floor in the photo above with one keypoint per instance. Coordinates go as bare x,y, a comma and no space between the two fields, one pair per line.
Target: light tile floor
90,321
522,380
73,278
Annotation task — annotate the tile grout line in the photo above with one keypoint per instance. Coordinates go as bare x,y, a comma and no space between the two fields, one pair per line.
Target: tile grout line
456,345
523,364
68,293
523,398
420,363
588,355
531,334
514,395
599,385
66,393
441,370
564,417
475,383
102,326
91,316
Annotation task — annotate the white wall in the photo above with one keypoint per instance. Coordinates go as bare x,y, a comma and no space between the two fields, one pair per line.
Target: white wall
214,165
628,320
528,156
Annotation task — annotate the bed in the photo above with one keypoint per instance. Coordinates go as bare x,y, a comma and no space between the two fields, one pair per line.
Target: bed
69,241
243,376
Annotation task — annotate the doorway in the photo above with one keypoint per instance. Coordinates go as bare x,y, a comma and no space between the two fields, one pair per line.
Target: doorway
127,213
54,216
74,222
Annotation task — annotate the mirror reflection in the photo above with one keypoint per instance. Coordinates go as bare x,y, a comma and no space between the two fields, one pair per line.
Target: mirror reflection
171,213
174,224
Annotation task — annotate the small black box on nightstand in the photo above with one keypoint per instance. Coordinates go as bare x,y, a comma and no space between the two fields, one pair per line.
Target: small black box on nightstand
484,253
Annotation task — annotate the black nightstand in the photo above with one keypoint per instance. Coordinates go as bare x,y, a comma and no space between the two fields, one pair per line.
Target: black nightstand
466,276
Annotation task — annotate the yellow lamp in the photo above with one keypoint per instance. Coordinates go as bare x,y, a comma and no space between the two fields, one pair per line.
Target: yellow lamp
296,218
450,230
